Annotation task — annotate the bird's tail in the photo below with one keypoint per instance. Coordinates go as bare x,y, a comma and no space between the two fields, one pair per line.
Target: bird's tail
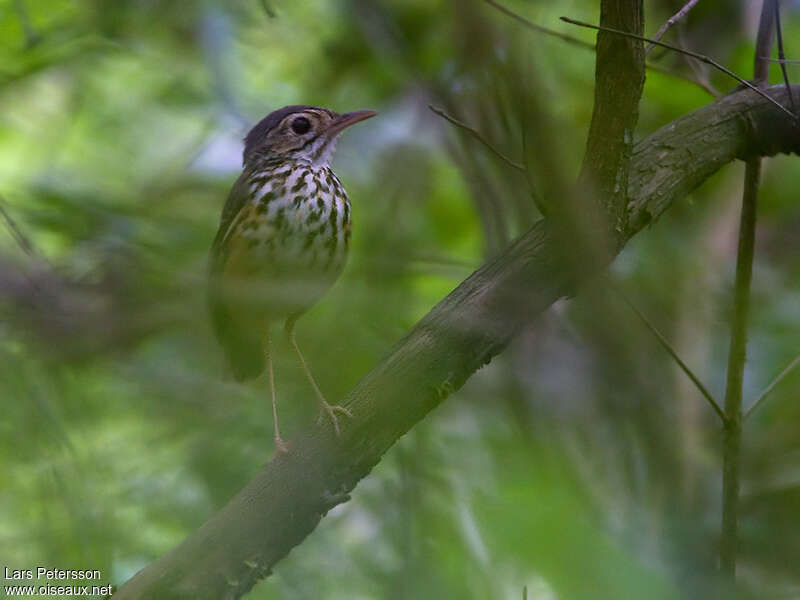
245,354
243,346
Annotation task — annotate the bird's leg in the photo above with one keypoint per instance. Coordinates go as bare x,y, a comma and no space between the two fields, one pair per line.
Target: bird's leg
331,410
280,445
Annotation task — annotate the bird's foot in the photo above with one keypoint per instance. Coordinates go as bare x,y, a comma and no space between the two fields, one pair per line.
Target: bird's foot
331,411
280,446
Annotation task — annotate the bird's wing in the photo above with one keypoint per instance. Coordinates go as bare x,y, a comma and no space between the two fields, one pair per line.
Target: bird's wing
237,199
242,344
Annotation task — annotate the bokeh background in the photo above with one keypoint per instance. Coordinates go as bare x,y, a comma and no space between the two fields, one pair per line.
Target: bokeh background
581,463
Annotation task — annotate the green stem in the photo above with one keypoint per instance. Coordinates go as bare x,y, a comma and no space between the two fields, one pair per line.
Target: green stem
732,436
736,359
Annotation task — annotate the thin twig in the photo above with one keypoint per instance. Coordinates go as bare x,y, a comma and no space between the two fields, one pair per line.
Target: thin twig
700,57
476,134
586,45
537,199
674,354
781,60
31,36
781,54
546,30
268,9
698,82
699,69
21,239
767,390
670,22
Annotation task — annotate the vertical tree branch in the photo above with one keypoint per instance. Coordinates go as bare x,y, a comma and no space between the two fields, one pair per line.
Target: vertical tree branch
619,79
737,354
596,215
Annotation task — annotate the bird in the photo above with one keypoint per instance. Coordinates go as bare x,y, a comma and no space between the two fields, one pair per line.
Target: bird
282,241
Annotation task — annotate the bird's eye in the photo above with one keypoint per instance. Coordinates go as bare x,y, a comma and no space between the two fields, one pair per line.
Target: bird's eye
301,125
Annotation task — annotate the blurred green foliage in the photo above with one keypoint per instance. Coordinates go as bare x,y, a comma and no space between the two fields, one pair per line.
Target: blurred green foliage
581,464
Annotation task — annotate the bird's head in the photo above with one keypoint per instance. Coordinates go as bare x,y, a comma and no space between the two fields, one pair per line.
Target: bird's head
299,133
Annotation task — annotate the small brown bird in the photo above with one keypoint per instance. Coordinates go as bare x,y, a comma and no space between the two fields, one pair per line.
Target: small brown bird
282,240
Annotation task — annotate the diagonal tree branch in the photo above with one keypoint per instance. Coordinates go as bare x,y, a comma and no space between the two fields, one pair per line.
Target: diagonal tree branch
244,540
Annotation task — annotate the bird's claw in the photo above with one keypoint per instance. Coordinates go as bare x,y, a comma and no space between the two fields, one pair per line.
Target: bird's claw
331,411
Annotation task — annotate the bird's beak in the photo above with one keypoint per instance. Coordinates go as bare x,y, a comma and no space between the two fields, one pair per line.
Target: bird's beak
347,119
